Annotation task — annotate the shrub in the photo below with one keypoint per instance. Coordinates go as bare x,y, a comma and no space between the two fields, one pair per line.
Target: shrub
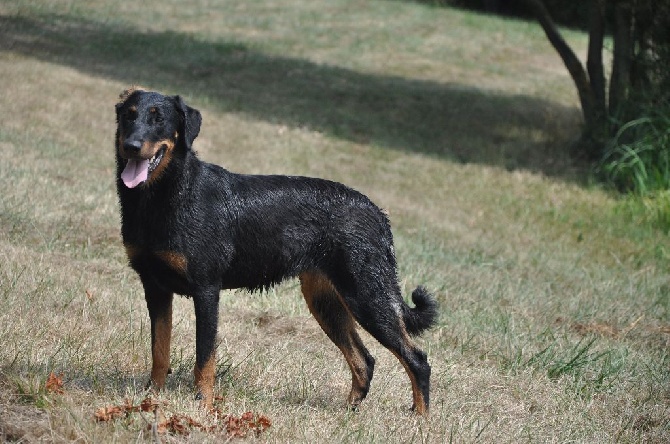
638,162
638,159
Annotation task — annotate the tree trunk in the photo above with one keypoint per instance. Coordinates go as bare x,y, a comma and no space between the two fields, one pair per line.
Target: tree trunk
591,91
623,57
594,61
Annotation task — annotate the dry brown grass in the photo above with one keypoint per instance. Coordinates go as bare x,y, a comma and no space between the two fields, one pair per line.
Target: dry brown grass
555,313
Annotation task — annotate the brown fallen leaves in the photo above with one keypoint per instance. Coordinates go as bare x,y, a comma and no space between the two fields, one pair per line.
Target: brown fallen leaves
248,422
177,424
180,424
54,384
119,411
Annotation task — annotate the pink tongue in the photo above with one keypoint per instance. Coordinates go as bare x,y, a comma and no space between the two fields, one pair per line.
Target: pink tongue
135,173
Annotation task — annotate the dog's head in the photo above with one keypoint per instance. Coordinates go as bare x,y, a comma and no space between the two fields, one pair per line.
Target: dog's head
151,130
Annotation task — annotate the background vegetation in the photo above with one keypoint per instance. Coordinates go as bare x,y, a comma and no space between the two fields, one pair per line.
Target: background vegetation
554,293
622,87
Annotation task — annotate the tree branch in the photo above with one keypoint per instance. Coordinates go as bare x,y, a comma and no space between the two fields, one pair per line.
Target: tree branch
594,61
595,122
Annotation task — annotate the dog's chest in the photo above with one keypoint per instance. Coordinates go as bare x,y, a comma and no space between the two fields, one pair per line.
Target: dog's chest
153,243
167,268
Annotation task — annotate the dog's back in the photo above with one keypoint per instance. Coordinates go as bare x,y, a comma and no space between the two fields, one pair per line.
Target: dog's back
282,226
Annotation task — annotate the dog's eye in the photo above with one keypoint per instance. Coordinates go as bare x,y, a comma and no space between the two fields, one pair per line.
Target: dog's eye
156,115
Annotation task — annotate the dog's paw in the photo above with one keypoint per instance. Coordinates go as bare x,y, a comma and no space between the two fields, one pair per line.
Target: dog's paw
420,411
353,407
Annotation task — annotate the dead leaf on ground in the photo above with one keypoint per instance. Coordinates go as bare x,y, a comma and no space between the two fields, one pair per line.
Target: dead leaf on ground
604,329
54,384
595,327
109,413
180,424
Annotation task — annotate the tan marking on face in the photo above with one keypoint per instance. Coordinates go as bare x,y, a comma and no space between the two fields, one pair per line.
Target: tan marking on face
176,261
204,381
149,149
165,160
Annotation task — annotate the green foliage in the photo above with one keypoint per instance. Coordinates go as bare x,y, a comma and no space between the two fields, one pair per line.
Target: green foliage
31,391
639,156
638,161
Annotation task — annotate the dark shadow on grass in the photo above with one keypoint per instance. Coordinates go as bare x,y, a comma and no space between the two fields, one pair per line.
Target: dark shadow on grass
451,121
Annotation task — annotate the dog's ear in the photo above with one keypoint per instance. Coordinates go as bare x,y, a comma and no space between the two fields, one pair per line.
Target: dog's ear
191,119
125,95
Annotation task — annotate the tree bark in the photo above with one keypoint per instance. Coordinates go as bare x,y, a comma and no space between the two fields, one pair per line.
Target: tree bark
594,61
623,57
591,91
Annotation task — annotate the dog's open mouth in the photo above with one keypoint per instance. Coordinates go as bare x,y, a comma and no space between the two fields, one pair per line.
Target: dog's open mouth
138,170
156,159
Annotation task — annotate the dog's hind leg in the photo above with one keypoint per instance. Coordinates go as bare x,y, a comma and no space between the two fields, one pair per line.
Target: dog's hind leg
159,304
206,305
416,365
378,309
326,306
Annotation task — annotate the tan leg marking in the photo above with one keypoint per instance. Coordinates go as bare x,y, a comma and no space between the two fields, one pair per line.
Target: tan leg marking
420,406
204,381
340,328
160,352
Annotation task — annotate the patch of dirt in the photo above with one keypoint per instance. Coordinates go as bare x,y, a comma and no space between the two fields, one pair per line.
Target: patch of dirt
23,423
271,323
599,328
277,324
19,422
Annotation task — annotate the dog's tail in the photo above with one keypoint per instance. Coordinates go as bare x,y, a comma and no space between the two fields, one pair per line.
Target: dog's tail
424,315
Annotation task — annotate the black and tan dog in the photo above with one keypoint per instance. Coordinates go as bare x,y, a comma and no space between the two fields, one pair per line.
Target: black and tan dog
193,228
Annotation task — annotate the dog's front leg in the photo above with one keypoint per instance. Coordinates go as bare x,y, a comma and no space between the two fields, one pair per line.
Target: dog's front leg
159,304
206,321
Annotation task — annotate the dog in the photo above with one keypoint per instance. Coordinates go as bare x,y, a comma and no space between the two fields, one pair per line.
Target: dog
193,228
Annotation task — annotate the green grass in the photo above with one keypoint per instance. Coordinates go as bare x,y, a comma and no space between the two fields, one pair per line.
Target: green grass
555,305
638,162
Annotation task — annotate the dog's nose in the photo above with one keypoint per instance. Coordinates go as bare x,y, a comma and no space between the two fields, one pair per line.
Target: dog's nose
132,146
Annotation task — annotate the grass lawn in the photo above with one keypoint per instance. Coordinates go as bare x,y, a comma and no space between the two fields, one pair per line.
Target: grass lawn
554,303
